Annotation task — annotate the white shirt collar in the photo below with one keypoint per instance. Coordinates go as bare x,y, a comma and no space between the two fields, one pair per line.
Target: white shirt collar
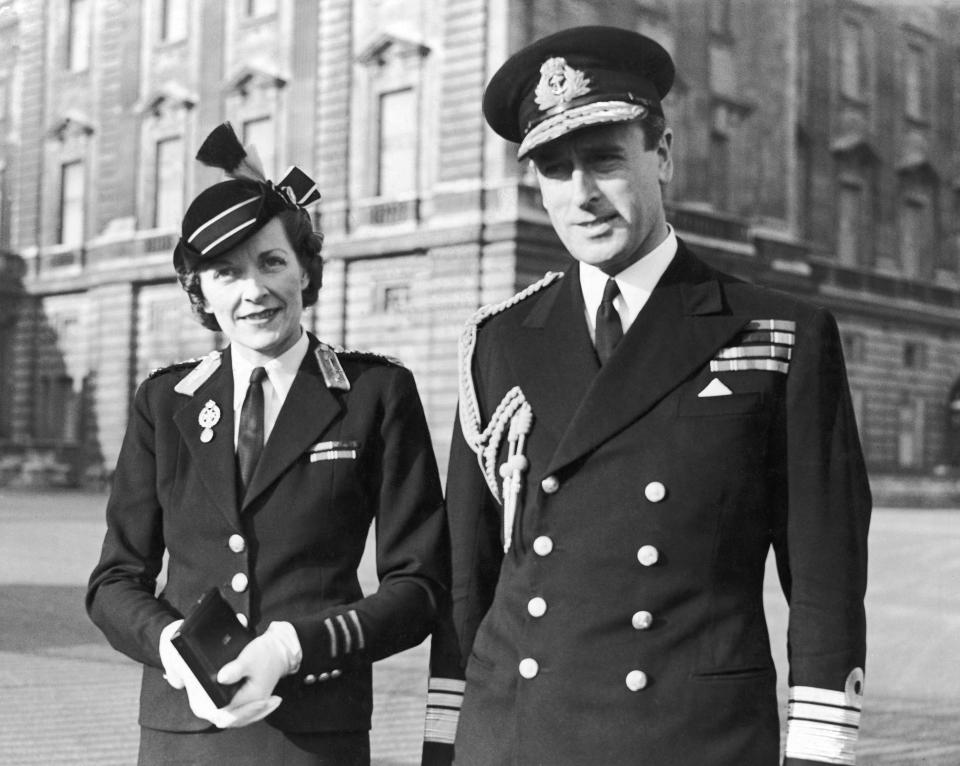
636,282
280,371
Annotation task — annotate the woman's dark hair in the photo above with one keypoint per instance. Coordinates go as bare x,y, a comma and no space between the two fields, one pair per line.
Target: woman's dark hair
307,245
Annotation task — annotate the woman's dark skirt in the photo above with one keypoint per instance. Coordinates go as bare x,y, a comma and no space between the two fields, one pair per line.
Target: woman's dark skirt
256,745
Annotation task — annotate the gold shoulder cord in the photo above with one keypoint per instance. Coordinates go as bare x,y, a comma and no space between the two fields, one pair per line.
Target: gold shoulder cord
512,415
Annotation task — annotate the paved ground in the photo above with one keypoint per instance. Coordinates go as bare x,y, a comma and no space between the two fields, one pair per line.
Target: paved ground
67,698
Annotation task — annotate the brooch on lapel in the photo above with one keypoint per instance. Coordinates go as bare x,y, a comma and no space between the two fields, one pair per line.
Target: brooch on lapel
764,344
208,418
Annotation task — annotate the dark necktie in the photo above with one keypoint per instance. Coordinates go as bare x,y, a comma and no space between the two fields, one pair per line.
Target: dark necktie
609,329
250,436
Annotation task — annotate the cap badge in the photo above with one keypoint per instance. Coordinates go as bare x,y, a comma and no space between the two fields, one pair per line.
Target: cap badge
208,418
559,84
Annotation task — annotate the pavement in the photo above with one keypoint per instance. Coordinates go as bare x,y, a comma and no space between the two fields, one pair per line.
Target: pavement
68,698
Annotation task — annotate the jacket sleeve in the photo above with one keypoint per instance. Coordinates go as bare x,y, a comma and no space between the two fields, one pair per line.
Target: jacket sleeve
475,544
444,690
410,548
121,592
472,518
821,545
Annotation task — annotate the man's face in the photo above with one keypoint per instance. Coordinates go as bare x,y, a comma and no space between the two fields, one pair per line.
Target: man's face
254,291
601,189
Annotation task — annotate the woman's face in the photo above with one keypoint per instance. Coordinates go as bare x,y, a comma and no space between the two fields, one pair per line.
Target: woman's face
255,293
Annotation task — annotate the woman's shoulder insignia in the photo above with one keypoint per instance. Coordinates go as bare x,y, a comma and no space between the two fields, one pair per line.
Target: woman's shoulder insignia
203,368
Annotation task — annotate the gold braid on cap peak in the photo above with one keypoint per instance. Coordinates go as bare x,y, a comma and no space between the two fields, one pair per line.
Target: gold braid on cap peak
485,442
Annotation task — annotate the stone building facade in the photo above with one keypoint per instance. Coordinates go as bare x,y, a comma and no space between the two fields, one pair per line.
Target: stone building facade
817,145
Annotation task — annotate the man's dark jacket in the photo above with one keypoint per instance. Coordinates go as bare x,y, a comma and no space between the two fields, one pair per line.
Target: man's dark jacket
625,623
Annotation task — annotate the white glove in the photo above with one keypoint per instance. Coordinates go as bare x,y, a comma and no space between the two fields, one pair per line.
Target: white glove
262,663
179,676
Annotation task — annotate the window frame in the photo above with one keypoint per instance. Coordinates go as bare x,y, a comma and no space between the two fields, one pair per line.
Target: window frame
166,13
77,204
412,150
79,35
158,222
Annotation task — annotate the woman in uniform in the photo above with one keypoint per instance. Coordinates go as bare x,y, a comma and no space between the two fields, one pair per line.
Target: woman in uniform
258,469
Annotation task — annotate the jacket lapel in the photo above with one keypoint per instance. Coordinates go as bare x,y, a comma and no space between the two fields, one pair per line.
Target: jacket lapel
681,326
552,356
214,461
308,410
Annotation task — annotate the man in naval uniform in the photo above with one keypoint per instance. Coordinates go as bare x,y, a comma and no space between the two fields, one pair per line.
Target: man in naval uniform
633,437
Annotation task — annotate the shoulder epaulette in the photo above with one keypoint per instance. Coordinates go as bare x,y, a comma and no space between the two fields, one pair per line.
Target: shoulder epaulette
330,367
205,367
175,367
328,357
369,356
476,436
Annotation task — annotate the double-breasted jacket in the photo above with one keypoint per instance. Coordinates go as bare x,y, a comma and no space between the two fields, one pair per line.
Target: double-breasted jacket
350,447
610,528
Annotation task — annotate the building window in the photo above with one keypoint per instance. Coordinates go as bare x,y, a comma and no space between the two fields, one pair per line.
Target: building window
859,402
915,83
259,7
392,299
78,35
163,316
956,97
952,252
854,69
914,355
719,170
850,223
6,366
4,221
58,414
397,144
71,203
915,226
259,133
173,20
4,97
854,346
720,17
911,433
168,199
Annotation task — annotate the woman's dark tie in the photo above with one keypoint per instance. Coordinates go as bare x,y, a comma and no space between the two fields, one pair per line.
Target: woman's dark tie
250,436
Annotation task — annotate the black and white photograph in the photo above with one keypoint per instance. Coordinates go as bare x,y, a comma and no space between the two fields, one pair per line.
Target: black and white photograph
479,382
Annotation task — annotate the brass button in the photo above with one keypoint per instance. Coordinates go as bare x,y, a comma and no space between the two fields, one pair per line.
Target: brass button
529,667
655,491
550,485
239,582
636,680
237,544
537,607
641,620
648,555
543,546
